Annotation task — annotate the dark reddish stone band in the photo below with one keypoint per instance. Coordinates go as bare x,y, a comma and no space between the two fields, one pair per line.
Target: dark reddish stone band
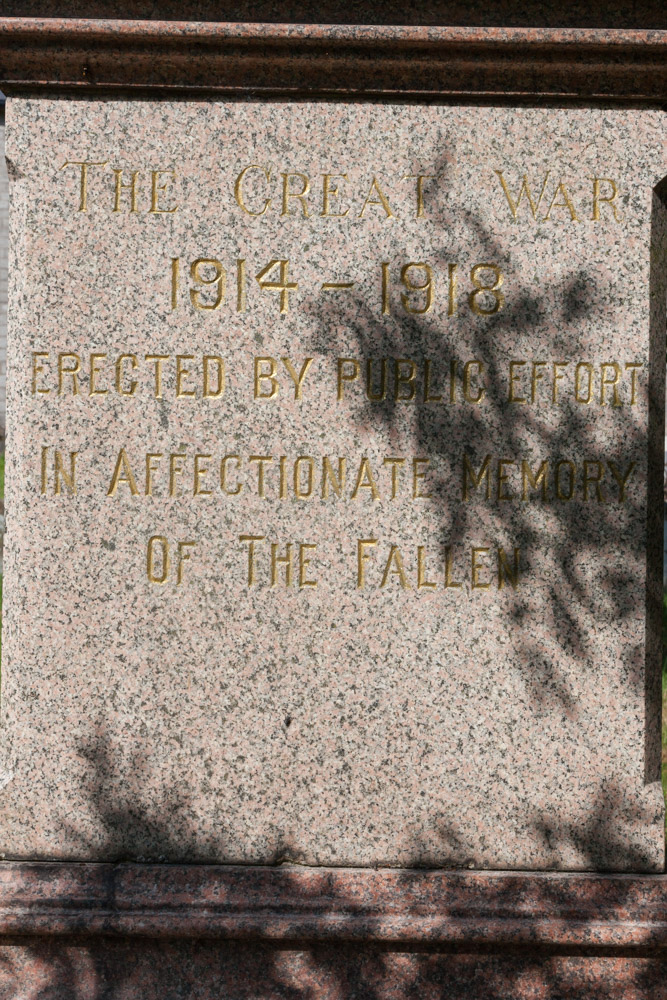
294,60
436,908
124,932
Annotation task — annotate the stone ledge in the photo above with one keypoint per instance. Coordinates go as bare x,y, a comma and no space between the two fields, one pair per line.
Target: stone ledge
437,909
261,59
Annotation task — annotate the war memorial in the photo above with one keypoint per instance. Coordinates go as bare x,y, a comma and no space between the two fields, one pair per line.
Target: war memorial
331,648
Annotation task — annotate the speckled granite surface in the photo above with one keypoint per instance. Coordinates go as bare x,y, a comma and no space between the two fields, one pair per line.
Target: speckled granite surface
403,724
202,970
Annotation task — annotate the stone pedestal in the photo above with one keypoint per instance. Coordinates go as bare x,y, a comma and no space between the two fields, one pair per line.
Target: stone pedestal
81,931
331,653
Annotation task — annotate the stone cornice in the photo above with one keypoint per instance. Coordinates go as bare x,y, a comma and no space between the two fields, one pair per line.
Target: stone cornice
498,910
336,61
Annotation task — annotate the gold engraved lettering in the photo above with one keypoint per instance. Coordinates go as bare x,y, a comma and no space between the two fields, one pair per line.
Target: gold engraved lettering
376,397
131,187
380,200
84,164
420,178
469,475
507,573
217,282
238,189
61,477
60,474
94,372
301,492
621,479
583,366
595,479
329,191
422,582
426,287
285,561
556,376
480,289
394,567
304,562
365,481
282,285
269,376
159,543
449,583
122,474
632,366
175,470
451,292
395,464
240,285
282,465
212,360
200,472
599,198
223,475
613,382
565,203
337,480
36,369
476,567
132,358
183,556
349,377
537,375
158,359
302,195
404,379
44,470
429,397
417,477
514,376
72,372
297,379
467,394
502,479
362,556
252,540
605,192
157,189
386,304
537,481
150,469
523,190
182,374
261,460
565,463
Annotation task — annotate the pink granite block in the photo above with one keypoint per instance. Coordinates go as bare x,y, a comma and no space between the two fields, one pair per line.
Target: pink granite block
134,931
476,683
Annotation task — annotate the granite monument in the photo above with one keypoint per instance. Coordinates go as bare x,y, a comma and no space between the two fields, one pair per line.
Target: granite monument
331,641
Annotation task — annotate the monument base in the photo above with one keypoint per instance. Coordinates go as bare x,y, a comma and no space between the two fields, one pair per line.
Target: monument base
88,931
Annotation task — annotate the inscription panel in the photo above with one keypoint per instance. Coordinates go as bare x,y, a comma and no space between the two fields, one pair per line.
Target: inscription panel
328,474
